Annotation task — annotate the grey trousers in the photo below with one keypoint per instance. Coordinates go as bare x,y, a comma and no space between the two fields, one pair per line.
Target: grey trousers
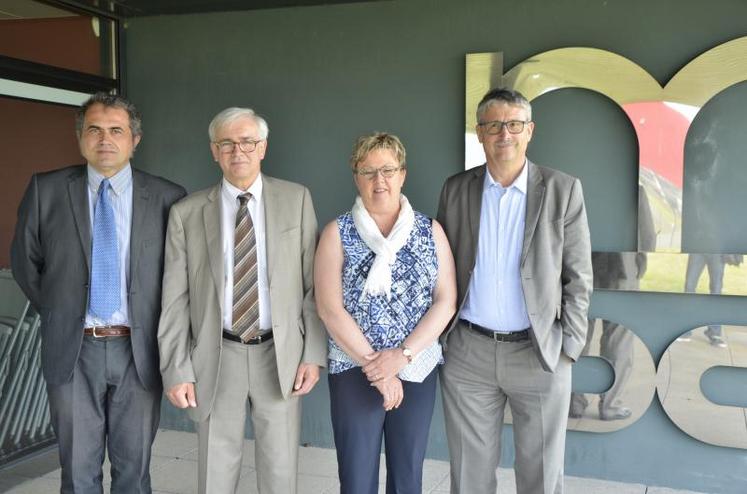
248,373
104,405
480,376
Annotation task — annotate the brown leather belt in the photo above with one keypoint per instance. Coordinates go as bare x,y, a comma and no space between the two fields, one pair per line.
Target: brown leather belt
512,337
254,341
104,331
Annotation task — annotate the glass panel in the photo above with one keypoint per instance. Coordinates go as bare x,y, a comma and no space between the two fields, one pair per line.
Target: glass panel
39,137
40,33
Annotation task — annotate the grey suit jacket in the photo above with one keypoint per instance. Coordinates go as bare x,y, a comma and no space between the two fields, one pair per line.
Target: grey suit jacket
190,329
51,261
556,273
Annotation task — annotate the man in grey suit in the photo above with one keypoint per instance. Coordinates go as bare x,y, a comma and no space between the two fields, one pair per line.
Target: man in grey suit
88,253
521,244
239,321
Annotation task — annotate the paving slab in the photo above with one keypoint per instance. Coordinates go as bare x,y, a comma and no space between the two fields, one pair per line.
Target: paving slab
174,471
579,485
667,490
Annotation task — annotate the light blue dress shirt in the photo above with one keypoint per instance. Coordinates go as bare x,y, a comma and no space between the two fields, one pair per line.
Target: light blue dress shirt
495,299
120,195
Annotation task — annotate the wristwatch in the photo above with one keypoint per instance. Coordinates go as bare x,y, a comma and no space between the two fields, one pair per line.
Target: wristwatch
407,353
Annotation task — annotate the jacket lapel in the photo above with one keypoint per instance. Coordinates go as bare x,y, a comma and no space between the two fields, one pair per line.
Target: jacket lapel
270,199
212,221
535,196
138,229
474,195
77,188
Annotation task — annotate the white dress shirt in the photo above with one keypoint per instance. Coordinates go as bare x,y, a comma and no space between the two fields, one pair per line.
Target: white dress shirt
229,208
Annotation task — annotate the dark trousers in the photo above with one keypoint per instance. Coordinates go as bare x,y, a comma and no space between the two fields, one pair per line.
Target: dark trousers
358,422
104,405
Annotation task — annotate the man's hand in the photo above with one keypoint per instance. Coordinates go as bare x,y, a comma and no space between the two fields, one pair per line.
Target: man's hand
182,395
385,364
391,390
307,376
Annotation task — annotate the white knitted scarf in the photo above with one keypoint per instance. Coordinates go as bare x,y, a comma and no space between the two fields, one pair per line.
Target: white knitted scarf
379,280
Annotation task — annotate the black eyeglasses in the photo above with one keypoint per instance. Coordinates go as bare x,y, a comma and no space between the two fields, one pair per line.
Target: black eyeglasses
246,145
512,126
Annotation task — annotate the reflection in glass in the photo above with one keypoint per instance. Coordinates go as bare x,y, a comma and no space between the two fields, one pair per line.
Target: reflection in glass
679,385
23,155
632,389
678,273
662,118
41,33
484,71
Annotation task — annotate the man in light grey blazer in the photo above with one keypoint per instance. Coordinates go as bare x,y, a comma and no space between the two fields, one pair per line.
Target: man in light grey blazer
88,253
239,321
521,243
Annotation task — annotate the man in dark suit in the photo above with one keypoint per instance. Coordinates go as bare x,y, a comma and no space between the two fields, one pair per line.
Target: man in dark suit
88,253
521,244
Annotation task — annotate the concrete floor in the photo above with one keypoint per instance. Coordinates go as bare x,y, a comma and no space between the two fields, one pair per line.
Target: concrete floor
174,471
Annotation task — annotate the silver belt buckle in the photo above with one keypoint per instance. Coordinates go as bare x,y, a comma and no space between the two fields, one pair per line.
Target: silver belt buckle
94,332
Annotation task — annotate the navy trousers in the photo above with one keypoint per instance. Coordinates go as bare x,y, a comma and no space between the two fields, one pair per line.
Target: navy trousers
359,421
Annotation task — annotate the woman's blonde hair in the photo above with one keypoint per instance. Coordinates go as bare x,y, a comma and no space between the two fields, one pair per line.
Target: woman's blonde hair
378,140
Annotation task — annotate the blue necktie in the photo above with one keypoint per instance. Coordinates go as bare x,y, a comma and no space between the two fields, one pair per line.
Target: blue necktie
105,286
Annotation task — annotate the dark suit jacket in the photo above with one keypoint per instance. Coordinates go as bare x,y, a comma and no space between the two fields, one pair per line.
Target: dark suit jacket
556,272
51,261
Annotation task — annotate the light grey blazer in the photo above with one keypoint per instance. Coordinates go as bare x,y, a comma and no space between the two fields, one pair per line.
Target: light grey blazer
190,330
556,273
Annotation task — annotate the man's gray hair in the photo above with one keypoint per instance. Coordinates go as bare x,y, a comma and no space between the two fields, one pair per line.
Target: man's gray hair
232,114
503,95
110,101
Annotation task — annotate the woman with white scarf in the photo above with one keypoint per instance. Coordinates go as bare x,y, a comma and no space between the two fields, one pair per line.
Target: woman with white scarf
385,288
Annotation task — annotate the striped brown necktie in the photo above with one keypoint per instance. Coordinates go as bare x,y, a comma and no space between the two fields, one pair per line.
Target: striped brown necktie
245,323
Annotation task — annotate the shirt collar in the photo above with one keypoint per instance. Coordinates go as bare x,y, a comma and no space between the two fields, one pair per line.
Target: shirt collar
520,183
231,192
119,182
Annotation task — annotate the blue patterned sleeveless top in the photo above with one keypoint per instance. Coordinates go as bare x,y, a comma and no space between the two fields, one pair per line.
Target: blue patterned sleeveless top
385,323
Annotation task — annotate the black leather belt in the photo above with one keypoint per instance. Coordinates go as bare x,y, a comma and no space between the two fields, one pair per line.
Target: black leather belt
512,337
254,341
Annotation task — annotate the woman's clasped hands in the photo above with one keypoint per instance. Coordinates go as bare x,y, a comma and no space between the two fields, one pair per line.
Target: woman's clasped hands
381,370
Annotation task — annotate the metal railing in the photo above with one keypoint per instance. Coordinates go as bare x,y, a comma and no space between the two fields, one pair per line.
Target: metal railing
25,424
